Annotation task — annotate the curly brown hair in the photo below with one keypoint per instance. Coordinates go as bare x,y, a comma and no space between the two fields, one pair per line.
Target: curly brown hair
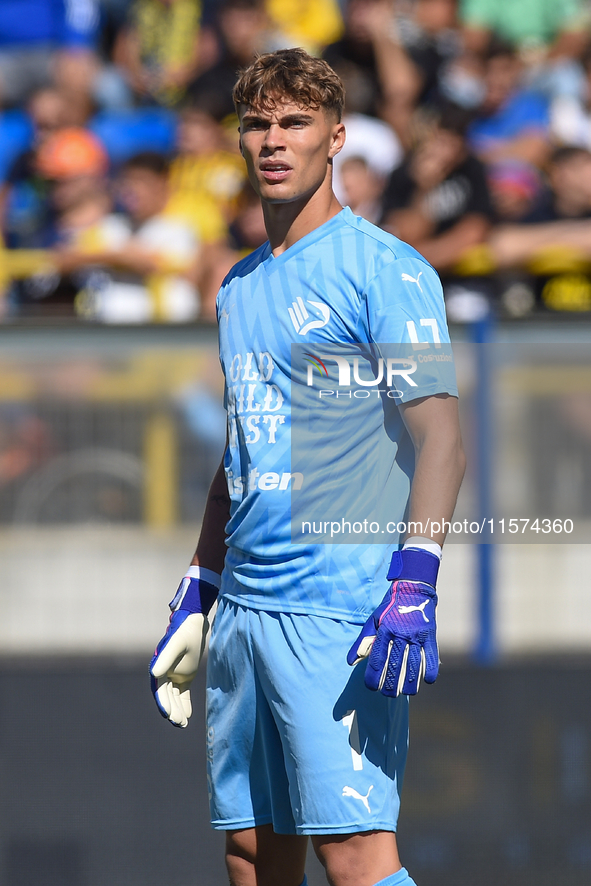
290,75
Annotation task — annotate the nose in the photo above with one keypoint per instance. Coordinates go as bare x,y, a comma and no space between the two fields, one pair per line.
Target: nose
274,138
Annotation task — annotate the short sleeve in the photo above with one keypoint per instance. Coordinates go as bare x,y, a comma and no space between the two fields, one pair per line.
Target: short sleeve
404,315
398,300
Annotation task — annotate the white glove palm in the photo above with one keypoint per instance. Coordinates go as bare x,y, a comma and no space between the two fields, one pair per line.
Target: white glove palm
177,656
175,664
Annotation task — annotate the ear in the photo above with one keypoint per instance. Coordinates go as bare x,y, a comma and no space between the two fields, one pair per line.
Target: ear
338,139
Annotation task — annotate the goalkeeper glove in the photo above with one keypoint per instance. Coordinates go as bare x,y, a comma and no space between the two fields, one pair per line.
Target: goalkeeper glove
177,656
400,636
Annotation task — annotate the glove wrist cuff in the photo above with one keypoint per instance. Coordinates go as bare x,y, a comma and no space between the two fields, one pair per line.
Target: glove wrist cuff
208,575
414,565
197,591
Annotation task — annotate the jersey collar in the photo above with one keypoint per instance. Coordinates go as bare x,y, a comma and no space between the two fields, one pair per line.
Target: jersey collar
273,263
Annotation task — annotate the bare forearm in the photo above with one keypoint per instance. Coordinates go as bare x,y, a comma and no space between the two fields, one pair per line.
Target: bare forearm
439,464
399,76
211,548
514,245
438,474
569,44
531,148
132,258
445,250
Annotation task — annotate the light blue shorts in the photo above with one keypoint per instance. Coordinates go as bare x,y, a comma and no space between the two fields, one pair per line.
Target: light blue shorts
294,738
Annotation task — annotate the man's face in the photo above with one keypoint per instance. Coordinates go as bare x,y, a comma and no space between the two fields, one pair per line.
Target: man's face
501,77
570,179
143,193
69,193
287,150
198,133
243,31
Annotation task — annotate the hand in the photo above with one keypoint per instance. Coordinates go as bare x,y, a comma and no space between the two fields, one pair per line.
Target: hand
400,636
378,20
177,656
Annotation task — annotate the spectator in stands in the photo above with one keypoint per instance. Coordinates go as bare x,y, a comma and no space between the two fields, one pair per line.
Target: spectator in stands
247,231
571,114
33,33
428,32
206,177
49,111
24,194
401,55
549,36
539,29
512,122
369,45
514,188
363,188
368,138
245,234
561,218
244,29
141,261
438,200
72,165
162,48
568,195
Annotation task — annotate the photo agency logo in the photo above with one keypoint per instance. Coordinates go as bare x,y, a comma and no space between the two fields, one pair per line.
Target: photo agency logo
348,438
367,372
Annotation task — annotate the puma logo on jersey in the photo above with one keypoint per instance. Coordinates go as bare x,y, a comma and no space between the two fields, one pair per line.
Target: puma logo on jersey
299,316
351,792
410,279
404,609
225,314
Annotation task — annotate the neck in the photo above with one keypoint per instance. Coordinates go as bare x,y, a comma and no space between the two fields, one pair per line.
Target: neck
286,223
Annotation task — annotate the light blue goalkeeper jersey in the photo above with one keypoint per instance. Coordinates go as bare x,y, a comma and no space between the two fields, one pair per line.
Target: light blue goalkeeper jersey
345,282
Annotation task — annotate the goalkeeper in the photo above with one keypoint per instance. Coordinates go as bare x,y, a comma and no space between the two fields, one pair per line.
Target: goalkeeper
314,652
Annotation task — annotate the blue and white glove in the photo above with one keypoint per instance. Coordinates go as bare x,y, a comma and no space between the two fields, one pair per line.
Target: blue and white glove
400,637
177,656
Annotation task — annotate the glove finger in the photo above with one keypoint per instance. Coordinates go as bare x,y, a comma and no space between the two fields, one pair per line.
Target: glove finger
178,715
185,701
431,661
423,665
378,661
362,646
168,700
415,664
384,663
159,697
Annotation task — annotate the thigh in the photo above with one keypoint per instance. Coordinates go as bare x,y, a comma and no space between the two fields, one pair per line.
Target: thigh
260,857
247,781
344,746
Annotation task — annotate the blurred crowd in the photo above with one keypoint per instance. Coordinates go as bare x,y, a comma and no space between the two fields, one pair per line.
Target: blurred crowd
123,197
